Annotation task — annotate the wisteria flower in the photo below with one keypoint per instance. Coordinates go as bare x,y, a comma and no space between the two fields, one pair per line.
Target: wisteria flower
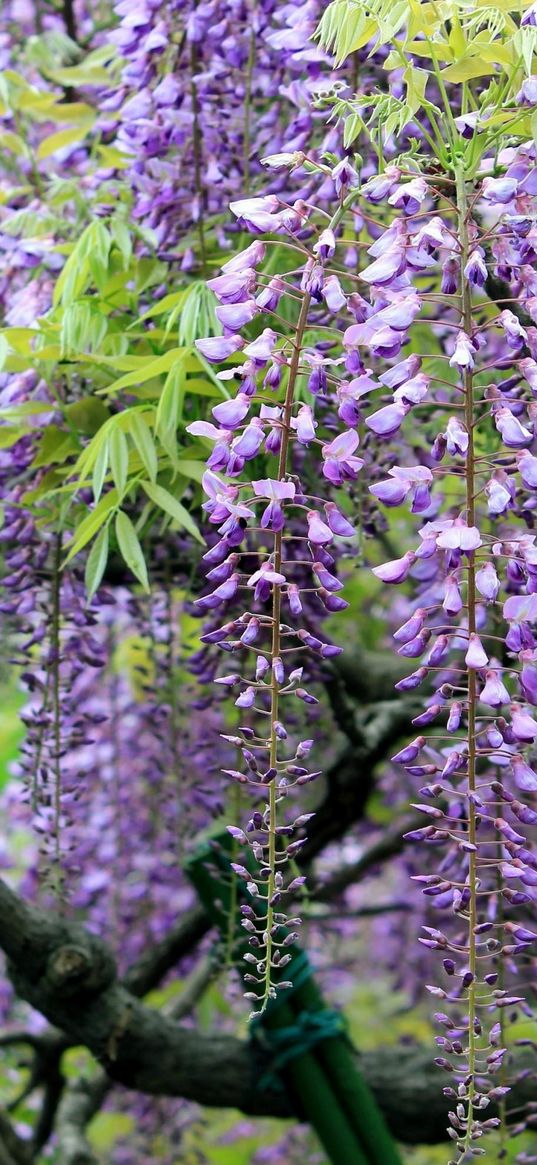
339,462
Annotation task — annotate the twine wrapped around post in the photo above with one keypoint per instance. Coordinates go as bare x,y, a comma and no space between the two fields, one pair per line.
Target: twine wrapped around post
307,1045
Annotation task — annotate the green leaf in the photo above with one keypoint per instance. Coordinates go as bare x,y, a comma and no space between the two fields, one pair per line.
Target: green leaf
122,239
141,436
416,84
97,559
198,315
130,548
170,406
166,501
92,523
164,305
147,370
99,471
194,470
119,458
82,330
467,69
58,141
87,415
88,257
4,351
55,446
12,142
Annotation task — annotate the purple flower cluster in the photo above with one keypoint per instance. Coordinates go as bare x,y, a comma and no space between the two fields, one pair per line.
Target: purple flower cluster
471,628
293,535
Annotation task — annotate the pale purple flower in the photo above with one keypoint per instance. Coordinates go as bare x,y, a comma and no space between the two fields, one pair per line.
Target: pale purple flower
339,463
268,574
463,353
250,257
387,420
528,368
231,413
377,188
410,752
318,532
476,656
277,491
234,316
499,189
337,521
250,440
386,267
432,235
476,268
304,425
206,429
344,175
403,481
333,294
456,437
522,724
397,570
458,536
391,492
218,348
269,297
403,371
327,580
528,677
452,602
515,333
521,608
530,16
466,124
326,245
410,195
257,214
525,777
513,433
411,628
527,94
498,494
260,350
413,391
494,691
234,287
487,582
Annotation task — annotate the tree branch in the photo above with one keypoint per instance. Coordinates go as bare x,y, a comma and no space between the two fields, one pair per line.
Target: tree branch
13,1151
68,975
390,843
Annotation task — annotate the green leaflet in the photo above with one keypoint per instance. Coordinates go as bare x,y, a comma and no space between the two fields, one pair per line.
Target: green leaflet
130,548
96,563
92,523
166,501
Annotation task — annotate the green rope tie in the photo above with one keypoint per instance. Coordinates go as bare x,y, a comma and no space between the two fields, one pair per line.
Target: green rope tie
290,1042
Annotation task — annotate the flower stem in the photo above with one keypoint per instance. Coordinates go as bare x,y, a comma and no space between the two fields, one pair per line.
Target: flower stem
276,643
462,205
196,147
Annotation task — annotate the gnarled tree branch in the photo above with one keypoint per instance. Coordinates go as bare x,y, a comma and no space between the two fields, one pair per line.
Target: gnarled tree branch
69,976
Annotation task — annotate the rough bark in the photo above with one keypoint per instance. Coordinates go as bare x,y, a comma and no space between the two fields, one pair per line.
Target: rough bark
69,976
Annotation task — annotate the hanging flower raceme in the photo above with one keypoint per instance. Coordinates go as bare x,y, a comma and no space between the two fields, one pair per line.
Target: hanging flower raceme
276,548
473,626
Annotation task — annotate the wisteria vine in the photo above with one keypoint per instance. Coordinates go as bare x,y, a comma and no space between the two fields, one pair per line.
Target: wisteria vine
380,330
473,220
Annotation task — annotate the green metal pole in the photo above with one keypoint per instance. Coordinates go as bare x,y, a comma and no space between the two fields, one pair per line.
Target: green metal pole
316,1100
325,1082
335,1054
